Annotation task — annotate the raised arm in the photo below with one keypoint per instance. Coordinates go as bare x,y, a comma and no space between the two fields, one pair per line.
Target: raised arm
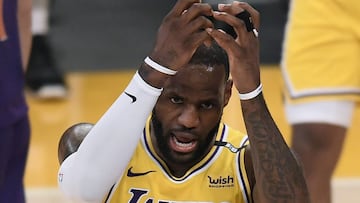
278,177
89,173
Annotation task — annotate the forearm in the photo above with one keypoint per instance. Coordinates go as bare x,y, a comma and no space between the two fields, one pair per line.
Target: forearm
105,152
24,26
278,176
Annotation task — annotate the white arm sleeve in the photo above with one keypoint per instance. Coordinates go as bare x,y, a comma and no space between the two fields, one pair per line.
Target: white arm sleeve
89,173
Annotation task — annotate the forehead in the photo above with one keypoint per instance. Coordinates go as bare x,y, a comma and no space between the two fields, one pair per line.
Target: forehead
201,78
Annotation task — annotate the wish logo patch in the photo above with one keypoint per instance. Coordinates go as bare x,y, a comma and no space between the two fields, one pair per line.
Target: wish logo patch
221,182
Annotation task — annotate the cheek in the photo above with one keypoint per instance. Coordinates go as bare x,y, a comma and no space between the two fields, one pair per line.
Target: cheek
211,118
165,113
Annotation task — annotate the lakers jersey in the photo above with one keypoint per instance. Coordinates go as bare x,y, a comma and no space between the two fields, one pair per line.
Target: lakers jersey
321,51
219,178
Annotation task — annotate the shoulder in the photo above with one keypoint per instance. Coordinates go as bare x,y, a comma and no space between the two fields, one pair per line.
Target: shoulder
235,136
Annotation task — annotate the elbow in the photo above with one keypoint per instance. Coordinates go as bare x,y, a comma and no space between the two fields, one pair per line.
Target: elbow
81,189
79,186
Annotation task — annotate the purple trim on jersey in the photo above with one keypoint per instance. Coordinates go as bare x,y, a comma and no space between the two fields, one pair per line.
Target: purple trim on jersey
241,174
12,100
195,170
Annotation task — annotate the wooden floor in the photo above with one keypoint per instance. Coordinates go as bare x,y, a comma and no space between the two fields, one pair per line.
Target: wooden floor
92,93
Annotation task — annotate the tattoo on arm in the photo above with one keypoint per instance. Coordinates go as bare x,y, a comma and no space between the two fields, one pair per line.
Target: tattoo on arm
279,178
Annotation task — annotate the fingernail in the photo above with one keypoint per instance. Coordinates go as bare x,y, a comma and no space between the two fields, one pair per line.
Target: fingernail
221,6
216,13
221,30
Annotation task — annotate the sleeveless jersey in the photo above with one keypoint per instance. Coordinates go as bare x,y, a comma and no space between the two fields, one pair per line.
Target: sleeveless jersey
321,51
219,178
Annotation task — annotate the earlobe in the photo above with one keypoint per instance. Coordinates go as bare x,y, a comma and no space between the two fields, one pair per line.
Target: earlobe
228,91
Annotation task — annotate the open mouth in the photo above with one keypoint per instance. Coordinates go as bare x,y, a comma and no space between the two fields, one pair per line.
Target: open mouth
183,144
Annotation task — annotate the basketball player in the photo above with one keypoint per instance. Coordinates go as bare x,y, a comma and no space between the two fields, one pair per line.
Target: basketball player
321,69
184,152
15,40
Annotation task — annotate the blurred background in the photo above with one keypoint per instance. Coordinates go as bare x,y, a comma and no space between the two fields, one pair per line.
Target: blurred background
98,45
112,35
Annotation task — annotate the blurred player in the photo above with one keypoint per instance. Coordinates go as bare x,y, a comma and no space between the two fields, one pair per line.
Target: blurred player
15,41
321,69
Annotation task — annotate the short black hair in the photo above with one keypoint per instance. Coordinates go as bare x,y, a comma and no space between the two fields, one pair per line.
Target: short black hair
71,139
210,56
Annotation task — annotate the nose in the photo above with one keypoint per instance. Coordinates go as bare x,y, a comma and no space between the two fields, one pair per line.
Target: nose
189,117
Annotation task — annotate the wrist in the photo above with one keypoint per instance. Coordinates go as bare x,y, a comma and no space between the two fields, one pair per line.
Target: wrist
252,94
151,76
160,68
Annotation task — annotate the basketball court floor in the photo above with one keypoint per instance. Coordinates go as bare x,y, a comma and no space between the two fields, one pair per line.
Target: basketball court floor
91,93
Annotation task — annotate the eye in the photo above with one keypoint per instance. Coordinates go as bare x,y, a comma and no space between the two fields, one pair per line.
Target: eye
176,100
207,105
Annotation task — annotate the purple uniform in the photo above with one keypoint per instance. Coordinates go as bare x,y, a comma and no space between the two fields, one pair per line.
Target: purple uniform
14,124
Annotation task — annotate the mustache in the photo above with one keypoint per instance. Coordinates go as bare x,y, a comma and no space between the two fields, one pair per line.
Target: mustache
183,129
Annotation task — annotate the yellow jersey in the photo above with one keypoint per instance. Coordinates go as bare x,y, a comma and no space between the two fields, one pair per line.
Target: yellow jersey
321,51
220,177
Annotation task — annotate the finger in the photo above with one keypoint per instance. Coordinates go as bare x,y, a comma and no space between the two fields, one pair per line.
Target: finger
233,8
255,15
234,22
201,37
222,38
181,6
197,10
237,7
200,24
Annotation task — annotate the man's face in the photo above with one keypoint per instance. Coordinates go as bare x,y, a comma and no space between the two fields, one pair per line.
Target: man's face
187,114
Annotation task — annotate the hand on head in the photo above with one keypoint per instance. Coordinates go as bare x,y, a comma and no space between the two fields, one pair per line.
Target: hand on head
243,52
181,32
186,27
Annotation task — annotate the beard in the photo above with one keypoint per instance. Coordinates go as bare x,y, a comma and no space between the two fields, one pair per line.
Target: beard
162,141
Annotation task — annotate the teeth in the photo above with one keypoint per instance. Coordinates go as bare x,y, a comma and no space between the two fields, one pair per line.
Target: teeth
182,144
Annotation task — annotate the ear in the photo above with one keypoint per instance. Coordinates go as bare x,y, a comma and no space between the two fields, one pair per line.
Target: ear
228,91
